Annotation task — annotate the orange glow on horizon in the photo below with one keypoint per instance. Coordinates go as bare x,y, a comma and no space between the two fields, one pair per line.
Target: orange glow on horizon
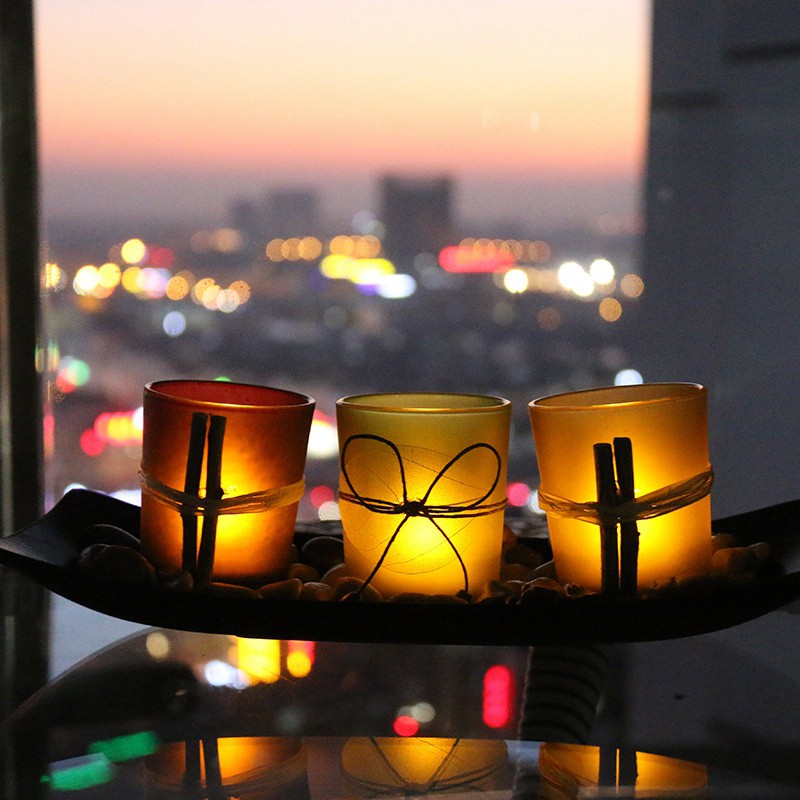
519,88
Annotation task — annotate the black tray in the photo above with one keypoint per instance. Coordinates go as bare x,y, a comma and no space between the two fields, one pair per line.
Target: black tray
46,552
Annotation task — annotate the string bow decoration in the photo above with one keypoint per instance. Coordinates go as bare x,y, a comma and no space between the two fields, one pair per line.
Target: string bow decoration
407,507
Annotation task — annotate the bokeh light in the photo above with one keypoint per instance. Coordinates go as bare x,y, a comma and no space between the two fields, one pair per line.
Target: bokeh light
610,309
133,252
628,377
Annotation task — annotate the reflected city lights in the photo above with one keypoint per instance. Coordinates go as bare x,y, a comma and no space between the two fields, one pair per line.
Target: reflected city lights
610,309
53,277
628,377
329,510
174,323
109,275
548,319
133,252
396,287
631,285
86,280
602,271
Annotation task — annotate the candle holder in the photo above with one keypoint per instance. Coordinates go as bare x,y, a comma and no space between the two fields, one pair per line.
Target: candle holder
586,443
422,489
222,475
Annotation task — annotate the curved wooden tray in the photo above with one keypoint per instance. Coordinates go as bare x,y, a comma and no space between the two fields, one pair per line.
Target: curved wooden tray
46,552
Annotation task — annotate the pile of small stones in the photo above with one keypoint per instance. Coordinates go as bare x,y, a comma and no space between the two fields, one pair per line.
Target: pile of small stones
318,572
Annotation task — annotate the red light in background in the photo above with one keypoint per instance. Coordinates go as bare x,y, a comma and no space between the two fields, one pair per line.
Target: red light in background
308,648
321,494
518,494
118,428
459,258
161,257
91,443
498,696
405,725
299,658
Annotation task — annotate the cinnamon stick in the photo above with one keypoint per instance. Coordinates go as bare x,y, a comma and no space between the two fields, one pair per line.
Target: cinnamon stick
208,542
607,499
628,532
191,486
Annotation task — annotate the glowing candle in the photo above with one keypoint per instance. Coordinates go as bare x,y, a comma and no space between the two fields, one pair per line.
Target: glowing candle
260,449
422,489
667,425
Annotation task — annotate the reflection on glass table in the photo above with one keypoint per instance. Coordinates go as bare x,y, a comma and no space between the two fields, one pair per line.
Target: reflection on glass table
184,715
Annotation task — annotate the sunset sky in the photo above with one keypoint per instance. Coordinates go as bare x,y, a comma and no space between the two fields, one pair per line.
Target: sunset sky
177,105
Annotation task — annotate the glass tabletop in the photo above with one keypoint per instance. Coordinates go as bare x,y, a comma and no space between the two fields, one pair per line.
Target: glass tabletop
166,713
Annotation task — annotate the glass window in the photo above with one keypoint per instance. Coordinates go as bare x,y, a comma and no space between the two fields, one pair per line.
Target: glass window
334,198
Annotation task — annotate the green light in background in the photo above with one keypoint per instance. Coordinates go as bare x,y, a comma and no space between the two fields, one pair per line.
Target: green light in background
83,772
125,748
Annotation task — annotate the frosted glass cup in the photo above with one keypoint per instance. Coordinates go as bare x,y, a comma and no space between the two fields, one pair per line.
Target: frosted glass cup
667,424
422,489
263,453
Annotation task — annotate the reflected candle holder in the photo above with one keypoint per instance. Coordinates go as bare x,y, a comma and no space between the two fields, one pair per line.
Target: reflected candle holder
655,436
575,770
402,767
422,489
222,476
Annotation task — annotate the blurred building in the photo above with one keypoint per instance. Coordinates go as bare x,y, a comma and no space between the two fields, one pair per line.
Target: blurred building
418,215
291,212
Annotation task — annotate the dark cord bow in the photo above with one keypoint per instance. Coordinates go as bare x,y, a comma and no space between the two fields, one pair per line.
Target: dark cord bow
421,508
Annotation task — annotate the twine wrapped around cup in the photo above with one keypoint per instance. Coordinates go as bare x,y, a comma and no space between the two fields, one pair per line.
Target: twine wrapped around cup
422,489
222,475
668,503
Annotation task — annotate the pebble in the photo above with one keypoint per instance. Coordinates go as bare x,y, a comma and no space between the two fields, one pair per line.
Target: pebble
289,589
305,572
177,581
722,540
526,556
228,590
541,590
116,564
314,590
411,597
322,552
546,570
734,560
544,583
509,539
102,533
449,599
761,550
348,585
495,592
333,574
516,572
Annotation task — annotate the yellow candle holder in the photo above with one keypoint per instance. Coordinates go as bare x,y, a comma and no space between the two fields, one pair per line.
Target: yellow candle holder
222,475
422,489
633,456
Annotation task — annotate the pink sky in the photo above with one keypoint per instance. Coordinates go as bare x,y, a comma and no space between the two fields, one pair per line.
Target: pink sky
530,89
